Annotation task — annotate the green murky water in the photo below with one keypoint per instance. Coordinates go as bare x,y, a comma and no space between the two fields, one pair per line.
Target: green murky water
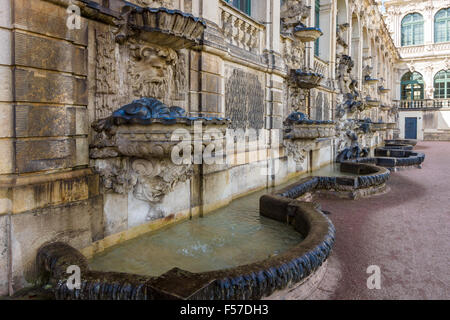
231,236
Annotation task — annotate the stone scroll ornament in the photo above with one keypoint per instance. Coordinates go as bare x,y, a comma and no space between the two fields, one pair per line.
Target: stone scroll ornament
132,148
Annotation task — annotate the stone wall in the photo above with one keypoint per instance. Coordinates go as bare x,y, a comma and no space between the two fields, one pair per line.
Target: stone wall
47,191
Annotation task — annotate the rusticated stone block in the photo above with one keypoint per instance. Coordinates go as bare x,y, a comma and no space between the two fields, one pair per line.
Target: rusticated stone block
5,13
43,121
4,254
6,120
211,102
6,84
44,86
7,154
37,155
49,54
5,51
211,83
47,18
82,152
211,63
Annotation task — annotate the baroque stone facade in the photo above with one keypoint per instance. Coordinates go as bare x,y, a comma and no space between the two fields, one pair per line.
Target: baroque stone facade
425,59
85,142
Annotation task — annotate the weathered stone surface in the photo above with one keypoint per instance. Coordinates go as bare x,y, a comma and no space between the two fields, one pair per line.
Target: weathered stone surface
45,86
42,121
52,193
71,223
47,18
4,255
6,120
211,83
37,155
82,152
49,54
6,93
5,13
211,102
7,152
115,213
5,52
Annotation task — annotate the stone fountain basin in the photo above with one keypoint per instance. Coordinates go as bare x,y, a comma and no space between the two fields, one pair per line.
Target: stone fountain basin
411,142
251,281
307,34
395,158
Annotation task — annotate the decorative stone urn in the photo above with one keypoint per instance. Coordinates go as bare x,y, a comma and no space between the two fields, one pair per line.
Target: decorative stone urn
147,148
307,34
306,79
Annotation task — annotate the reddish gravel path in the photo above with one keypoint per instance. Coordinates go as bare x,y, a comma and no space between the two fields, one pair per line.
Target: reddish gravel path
406,232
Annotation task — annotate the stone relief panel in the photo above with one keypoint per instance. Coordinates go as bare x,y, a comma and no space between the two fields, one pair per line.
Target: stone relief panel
244,100
149,180
136,69
106,74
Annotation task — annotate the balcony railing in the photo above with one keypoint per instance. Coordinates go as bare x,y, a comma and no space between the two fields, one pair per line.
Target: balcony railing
240,29
320,66
423,49
423,104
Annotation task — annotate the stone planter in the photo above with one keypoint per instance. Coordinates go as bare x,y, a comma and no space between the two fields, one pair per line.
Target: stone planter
306,80
307,34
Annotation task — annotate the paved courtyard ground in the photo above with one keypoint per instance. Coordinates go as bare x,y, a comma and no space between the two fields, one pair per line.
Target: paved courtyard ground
406,232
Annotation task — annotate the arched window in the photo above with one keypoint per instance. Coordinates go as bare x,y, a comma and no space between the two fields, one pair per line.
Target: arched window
412,85
412,29
442,25
442,84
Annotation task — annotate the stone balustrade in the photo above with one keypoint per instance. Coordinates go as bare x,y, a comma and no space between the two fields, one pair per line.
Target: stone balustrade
423,104
423,49
321,66
241,30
